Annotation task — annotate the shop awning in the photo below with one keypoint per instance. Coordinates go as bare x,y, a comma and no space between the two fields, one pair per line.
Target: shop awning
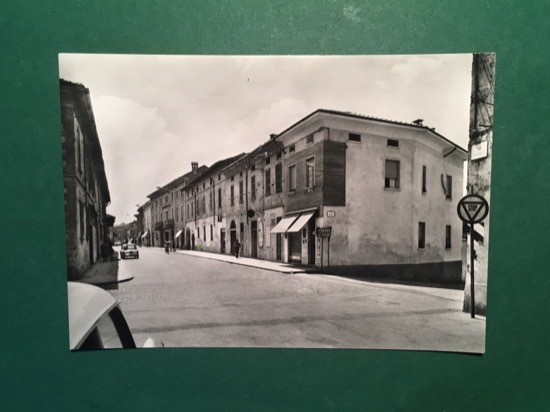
284,224
300,222
145,234
178,234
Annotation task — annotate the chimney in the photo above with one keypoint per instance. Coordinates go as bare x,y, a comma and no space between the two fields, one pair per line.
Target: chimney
273,136
194,166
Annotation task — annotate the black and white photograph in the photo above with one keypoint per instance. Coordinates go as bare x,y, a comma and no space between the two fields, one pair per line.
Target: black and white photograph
320,202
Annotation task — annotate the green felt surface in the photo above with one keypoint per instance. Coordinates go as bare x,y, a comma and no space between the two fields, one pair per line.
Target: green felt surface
37,372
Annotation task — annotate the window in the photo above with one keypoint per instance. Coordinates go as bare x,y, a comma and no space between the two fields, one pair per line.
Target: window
198,233
219,176
211,232
232,195
447,236
210,203
166,214
393,143
354,137
309,139
241,191
310,172
267,182
392,174
279,177
242,228
165,198
177,214
79,142
292,178
267,160
253,187
279,155
421,235
219,198
81,219
204,232
424,179
449,187
291,148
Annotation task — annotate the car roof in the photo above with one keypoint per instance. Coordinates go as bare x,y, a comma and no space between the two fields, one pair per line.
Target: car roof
87,304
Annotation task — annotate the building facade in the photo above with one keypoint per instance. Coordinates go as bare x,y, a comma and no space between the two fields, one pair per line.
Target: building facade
87,195
386,192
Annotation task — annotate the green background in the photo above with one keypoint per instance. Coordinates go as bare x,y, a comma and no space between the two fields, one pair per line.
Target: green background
38,372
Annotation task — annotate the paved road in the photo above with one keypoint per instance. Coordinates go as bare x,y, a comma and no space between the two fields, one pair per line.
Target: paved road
186,301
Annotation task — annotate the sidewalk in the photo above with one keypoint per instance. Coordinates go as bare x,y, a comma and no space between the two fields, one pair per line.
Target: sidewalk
244,261
104,273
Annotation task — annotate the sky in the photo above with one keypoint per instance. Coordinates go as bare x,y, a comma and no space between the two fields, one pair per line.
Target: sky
155,114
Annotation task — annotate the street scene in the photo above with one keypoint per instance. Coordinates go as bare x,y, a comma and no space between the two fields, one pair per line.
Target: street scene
272,202
187,299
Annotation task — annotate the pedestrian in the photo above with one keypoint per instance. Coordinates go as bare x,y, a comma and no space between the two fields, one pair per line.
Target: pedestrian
237,248
166,247
105,248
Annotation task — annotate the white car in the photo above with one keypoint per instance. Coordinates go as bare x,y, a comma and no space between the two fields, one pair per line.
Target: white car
96,321
129,250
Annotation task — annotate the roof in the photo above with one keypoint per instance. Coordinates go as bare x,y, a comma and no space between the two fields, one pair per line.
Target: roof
370,118
186,178
216,167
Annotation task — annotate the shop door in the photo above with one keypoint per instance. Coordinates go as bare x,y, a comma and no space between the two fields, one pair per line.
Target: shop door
295,247
254,238
222,241
279,244
232,236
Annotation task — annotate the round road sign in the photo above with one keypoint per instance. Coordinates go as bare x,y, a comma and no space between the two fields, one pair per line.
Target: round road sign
472,209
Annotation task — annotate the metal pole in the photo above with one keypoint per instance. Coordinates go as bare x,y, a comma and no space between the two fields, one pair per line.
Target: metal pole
472,288
328,255
322,249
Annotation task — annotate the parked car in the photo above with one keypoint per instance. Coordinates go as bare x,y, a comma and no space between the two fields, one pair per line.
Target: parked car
96,321
129,250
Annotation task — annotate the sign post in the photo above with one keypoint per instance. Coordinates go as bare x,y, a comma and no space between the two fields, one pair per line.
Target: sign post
472,209
324,232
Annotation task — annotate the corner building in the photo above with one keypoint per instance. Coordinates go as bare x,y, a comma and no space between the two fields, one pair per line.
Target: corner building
388,191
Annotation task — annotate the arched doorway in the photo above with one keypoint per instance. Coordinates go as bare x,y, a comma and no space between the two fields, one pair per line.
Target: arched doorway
232,236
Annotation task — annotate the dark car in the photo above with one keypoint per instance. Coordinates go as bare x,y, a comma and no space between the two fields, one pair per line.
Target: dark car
129,250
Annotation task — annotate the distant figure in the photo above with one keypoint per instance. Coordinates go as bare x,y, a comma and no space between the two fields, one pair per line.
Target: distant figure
105,251
166,247
237,248
174,245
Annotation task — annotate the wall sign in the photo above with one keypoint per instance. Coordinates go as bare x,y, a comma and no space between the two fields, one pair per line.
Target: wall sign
330,213
479,151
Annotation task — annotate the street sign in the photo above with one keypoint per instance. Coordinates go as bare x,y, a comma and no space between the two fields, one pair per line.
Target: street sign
472,209
324,231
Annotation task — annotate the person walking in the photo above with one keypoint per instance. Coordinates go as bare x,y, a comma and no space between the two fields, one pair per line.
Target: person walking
237,248
166,247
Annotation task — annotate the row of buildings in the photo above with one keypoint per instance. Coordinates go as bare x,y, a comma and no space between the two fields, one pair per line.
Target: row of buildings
86,190
344,192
